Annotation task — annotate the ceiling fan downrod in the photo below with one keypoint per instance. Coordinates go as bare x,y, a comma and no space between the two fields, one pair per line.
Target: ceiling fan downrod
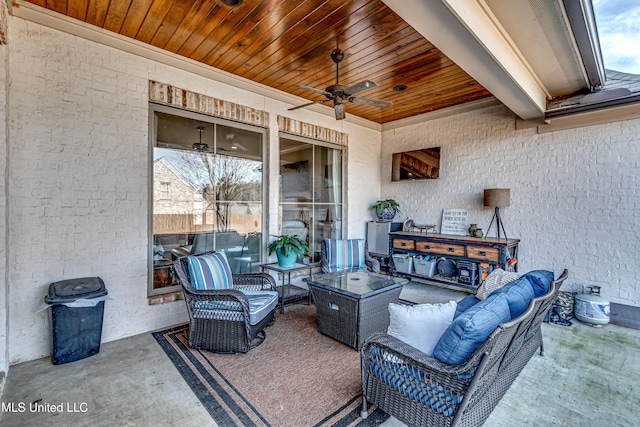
336,56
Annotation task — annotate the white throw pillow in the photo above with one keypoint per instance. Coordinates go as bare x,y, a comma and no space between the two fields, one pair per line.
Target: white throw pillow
420,325
494,281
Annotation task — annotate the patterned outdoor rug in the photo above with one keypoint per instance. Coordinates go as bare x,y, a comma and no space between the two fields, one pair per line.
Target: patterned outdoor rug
297,377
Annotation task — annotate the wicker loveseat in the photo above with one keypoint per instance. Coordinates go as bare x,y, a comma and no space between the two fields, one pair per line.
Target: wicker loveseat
421,390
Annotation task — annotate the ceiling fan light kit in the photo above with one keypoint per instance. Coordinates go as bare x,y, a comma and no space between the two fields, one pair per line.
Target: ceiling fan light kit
200,146
339,93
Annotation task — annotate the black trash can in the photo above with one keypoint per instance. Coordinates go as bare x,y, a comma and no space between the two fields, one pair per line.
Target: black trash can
77,310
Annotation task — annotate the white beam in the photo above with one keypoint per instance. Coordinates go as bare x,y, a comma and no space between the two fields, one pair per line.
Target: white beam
465,31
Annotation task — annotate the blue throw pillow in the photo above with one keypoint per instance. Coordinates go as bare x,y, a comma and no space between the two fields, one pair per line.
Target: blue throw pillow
210,271
518,294
464,304
540,281
467,332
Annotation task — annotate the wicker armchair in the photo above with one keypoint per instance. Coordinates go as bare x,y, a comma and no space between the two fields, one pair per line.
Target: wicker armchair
221,320
419,390
370,263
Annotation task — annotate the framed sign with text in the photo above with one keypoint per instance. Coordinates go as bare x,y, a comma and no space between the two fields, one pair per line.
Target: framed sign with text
455,221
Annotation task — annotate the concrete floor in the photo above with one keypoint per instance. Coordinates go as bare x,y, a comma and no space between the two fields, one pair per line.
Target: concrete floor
589,377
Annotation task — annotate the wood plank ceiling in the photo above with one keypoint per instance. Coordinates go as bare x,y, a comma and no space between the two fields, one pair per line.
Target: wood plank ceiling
283,43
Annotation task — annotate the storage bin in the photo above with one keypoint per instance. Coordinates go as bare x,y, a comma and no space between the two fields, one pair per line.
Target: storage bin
467,272
425,267
403,263
485,270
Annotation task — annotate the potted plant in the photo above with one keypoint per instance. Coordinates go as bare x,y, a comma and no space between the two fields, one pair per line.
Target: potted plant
287,248
386,209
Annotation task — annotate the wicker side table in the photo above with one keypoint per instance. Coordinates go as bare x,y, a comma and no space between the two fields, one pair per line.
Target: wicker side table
350,306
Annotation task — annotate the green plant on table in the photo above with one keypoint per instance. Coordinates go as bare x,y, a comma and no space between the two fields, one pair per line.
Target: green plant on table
388,204
288,243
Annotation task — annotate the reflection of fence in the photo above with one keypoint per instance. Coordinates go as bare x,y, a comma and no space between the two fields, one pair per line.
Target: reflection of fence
184,223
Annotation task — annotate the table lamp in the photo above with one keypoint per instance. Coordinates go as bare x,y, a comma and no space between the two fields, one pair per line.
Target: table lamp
497,197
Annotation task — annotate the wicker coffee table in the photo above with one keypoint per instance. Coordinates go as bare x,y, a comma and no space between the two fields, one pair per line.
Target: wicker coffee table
350,306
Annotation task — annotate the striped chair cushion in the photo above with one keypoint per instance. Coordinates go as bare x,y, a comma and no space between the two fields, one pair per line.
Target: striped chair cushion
343,254
210,271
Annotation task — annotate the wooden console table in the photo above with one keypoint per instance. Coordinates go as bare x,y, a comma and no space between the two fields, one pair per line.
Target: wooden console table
490,250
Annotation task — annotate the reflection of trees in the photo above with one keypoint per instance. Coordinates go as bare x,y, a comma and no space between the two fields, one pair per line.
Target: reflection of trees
221,180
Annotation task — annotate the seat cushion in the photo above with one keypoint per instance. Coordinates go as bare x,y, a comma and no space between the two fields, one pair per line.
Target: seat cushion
411,382
210,271
469,330
420,325
261,303
343,254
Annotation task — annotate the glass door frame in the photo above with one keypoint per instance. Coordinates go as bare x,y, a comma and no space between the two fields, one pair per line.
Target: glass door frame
343,202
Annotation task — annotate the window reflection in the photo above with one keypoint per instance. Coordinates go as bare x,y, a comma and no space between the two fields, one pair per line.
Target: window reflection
310,191
207,194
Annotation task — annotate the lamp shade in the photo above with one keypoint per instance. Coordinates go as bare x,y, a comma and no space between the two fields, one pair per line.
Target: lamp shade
497,197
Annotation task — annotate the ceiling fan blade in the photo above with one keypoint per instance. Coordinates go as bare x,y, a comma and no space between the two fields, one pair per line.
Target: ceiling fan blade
339,109
308,104
359,87
312,89
175,146
371,102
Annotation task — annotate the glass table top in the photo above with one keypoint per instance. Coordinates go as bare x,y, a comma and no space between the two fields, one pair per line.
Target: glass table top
295,267
355,283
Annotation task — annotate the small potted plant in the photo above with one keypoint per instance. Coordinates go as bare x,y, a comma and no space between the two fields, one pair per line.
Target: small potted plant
386,209
287,248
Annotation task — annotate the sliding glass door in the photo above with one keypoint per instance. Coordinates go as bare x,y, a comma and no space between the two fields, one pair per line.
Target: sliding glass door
310,190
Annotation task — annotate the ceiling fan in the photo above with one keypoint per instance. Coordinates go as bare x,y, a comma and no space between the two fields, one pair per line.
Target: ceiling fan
339,93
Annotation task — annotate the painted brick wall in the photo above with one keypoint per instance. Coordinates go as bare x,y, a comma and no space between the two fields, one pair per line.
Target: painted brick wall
363,180
4,300
79,173
575,194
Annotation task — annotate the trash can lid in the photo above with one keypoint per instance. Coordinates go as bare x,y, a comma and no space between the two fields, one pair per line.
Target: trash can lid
74,289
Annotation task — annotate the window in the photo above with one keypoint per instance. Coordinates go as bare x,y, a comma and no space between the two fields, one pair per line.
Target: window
310,190
208,192
165,191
